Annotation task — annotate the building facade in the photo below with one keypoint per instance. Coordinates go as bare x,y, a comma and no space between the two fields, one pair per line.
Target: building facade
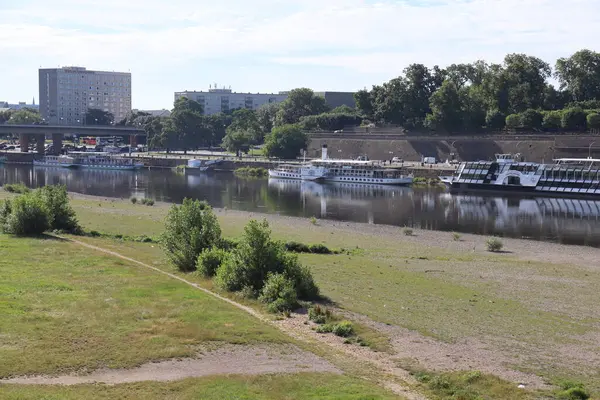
67,93
224,100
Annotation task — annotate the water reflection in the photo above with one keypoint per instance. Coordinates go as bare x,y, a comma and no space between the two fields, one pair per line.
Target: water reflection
562,220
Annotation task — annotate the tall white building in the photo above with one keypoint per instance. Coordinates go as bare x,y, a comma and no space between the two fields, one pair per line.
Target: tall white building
223,100
67,93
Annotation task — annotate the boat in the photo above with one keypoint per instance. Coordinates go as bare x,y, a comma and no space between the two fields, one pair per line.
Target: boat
106,161
201,165
62,161
568,177
340,170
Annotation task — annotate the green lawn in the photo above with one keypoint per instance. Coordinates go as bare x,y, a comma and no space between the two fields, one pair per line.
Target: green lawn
64,307
264,387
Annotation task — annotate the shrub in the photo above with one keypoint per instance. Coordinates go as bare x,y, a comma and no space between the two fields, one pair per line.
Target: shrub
150,202
279,293
319,249
494,244
227,244
573,119
256,257
552,120
325,328
61,215
252,172
513,121
319,314
209,261
95,234
407,231
133,200
456,236
16,188
143,200
313,220
297,247
494,119
575,393
593,121
531,119
189,229
24,216
343,329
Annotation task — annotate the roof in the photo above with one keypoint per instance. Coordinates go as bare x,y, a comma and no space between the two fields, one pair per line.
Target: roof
578,159
340,161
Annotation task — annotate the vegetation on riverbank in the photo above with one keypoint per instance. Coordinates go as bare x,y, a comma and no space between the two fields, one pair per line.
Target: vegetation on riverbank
250,172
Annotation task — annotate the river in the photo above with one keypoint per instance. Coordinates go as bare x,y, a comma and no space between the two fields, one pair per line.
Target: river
566,221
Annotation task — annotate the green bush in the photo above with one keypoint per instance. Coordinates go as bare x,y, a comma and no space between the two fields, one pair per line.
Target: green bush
513,121
593,121
16,188
25,215
343,329
456,236
573,119
325,328
149,202
210,260
494,244
61,215
408,231
227,244
318,314
296,247
531,119
133,200
279,293
494,119
319,249
572,391
257,172
189,229
257,256
552,120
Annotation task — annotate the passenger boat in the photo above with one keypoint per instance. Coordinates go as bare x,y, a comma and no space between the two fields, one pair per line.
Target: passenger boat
106,161
56,161
201,165
337,170
570,177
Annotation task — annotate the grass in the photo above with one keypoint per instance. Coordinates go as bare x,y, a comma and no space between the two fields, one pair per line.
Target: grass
64,308
529,309
262,387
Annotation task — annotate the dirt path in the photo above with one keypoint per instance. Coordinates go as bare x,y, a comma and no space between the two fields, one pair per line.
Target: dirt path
231,359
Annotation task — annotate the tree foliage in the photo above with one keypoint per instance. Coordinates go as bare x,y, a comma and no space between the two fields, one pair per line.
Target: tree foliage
299,103
285,142
579,75
23,117
189,229
95,116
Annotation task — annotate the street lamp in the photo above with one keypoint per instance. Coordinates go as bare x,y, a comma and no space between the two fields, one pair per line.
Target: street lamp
590,150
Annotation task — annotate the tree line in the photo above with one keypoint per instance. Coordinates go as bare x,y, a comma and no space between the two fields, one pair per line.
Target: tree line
516,94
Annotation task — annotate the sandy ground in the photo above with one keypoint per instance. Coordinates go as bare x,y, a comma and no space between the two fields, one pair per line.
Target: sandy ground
231,359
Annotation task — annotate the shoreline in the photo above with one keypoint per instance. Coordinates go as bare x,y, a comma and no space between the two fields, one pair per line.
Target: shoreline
521,248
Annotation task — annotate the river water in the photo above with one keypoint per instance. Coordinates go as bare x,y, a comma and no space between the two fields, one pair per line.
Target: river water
559,220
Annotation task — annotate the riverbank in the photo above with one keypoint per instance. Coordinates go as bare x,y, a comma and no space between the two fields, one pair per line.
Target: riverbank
527,314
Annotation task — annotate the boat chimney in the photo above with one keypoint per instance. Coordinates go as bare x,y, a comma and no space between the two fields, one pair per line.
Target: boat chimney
324,152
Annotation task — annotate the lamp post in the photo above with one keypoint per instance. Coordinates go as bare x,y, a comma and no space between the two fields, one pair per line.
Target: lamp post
590,150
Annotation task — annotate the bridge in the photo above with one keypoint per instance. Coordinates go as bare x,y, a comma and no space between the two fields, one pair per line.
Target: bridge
39,133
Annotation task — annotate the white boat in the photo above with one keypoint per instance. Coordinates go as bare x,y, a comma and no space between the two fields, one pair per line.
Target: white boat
569,177
106,161
346,171
56,161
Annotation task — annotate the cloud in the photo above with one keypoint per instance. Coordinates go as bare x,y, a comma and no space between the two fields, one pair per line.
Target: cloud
374,38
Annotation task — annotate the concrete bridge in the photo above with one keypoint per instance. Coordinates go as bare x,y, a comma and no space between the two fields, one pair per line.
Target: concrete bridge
39,132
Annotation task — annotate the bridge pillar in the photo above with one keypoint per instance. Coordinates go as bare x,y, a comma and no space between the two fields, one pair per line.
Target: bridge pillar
132,141
40,141
57,139
24,142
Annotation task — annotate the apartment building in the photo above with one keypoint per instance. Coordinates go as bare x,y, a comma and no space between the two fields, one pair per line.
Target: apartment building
67,93
223,100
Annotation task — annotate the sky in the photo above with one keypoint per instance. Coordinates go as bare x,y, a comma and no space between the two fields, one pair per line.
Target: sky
274,45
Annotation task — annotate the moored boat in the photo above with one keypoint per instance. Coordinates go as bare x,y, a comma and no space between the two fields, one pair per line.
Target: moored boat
569,177
62,161
201,165
106,161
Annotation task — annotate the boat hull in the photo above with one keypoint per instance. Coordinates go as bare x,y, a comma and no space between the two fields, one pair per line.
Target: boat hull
515,190
112,167
53,165
341,179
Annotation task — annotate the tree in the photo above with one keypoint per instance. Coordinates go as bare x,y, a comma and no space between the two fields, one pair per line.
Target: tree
246,121
473,107
95,116
5,116
299,103
574,119
579,75
593,121
266,115
513,121
236,141
24,117
445,108
189,229
217,126
186,127
285,142
494,119
364,103
329,121
25,215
